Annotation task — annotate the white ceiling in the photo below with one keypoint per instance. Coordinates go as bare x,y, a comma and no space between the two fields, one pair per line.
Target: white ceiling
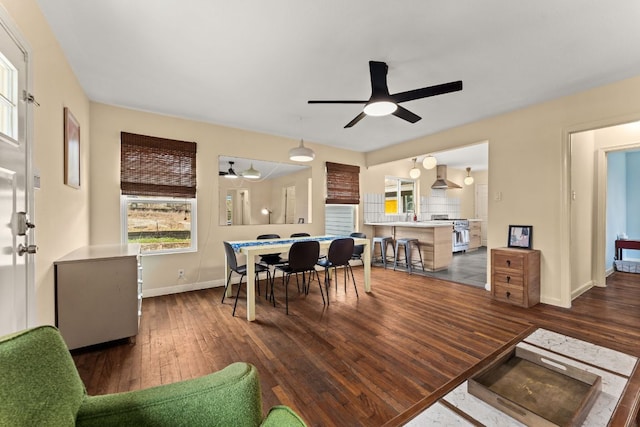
254,64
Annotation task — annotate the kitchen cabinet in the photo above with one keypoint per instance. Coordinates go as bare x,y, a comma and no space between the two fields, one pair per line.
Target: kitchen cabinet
98,294
434,239
475,235
515,276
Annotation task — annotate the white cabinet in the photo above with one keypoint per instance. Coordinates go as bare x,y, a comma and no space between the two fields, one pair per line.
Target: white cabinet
98,292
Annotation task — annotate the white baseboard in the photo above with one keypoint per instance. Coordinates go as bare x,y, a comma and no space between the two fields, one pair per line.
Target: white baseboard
168,290
582,289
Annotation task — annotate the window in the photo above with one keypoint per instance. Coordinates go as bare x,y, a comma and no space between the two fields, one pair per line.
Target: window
340,220
8,99
158,185
399,196
160,225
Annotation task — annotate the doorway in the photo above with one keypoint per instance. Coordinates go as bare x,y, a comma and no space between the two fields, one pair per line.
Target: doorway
595,222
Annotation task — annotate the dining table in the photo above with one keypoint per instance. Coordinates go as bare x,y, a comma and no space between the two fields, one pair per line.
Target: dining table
252,249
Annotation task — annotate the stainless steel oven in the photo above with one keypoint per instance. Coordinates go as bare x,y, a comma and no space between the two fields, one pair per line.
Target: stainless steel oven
460,236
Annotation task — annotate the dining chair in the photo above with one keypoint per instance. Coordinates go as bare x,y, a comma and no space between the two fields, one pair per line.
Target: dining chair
302,259
358,250
339,255
232,261
300,235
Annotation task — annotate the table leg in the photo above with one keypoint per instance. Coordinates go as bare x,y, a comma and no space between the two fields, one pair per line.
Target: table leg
251,288
367,268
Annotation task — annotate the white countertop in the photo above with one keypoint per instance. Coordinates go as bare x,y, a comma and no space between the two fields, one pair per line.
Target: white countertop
100,251
417,224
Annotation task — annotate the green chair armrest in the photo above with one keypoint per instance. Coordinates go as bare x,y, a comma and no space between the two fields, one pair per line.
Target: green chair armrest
282,416
227,397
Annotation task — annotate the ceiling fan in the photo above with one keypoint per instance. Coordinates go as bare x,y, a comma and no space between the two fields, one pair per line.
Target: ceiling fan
230,173
382,103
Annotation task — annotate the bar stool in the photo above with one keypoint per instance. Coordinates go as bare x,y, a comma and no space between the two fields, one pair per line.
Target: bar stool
408,261
383,242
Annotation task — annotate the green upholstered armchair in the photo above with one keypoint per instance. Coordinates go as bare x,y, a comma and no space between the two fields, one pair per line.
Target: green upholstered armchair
39,385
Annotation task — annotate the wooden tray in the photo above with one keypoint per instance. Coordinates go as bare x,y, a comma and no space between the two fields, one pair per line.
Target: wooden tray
536,390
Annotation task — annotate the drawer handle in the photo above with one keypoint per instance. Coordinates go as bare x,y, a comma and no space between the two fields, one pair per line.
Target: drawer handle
508,263
508,279
508,294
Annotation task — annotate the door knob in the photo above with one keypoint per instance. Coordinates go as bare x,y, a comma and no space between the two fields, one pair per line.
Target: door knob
30,249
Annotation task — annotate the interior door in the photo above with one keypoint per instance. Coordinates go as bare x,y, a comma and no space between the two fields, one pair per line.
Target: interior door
15,196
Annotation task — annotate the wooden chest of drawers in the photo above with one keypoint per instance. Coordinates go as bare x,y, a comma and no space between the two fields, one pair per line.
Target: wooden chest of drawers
515,276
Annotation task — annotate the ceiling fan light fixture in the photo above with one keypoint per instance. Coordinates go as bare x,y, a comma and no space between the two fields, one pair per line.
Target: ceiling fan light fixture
380,108
301,153
468,179
429,162
251,173
414,173
231,174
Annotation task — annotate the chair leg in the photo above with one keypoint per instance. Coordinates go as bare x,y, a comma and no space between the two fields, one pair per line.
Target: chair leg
354,280
345,278
226,286
256,281
286,291
326,282
235,304
319,285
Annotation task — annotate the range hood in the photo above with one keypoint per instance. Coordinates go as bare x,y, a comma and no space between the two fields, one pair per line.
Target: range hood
441,179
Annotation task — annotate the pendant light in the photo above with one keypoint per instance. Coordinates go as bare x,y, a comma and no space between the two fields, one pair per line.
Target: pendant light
301,153
414,173
251,173
469,179
429,162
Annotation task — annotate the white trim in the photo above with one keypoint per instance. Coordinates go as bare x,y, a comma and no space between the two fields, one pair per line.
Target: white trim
124,199
168,290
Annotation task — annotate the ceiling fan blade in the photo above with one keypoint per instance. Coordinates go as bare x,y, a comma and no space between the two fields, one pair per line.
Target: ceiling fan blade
405,114
378,71
425,92
356,120
337,102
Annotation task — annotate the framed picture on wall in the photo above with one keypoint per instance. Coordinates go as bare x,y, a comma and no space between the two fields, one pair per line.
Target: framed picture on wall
71,150
520,236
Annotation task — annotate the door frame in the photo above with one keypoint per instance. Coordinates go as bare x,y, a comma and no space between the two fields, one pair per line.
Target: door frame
599,245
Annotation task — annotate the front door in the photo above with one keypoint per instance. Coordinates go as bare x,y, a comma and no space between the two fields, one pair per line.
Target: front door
15,195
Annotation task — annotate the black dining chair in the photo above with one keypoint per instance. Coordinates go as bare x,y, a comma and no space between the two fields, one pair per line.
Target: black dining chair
232,261
302,259
358,250
300,235
339,255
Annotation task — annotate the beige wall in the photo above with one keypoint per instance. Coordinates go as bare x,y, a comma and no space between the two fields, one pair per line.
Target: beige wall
61,212
205,267
528,158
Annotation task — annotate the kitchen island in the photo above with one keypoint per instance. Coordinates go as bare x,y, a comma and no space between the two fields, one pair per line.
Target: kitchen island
434,238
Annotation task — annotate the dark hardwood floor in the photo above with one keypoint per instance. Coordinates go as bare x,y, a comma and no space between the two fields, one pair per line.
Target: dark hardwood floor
376,359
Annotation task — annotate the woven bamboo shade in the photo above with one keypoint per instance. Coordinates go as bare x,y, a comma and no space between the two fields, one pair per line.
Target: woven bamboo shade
343,184
152,166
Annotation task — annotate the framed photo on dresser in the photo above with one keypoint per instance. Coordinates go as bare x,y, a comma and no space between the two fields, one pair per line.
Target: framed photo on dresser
520,236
